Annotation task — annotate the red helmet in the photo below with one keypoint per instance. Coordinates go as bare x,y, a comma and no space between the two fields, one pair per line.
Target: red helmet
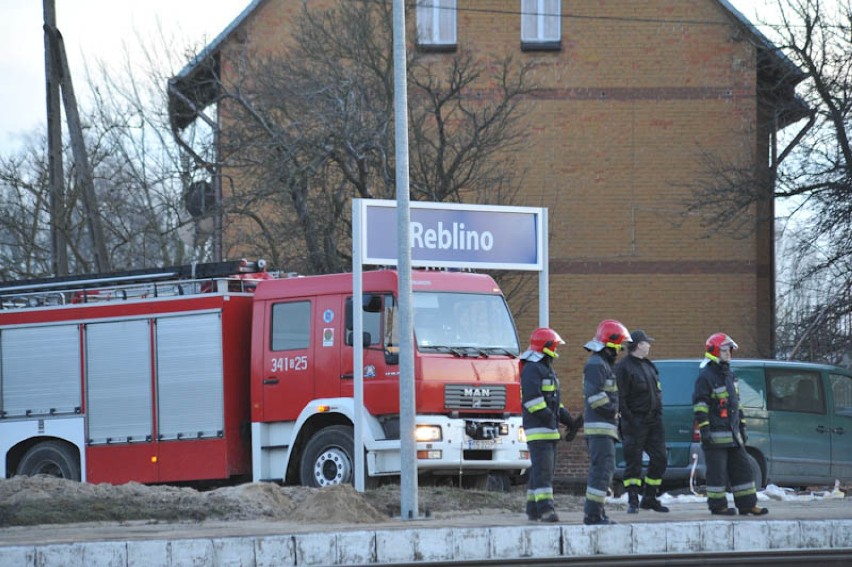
610,333
545,340
716,341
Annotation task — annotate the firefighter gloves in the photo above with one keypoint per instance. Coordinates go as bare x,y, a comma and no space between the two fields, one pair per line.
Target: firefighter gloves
573,429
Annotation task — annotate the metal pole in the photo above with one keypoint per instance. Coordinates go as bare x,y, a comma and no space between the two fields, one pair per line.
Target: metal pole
358,344
544,275
408,449
58,248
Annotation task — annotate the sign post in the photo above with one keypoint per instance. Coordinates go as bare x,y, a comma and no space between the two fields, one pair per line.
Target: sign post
440,235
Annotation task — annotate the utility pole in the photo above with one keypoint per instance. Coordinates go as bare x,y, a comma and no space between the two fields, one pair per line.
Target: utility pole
82,170
58,246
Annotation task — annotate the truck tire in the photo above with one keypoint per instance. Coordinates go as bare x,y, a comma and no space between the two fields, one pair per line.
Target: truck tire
327,460
53,458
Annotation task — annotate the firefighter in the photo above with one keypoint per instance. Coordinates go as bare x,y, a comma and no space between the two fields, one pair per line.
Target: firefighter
600,392
640,403
542,413
716,402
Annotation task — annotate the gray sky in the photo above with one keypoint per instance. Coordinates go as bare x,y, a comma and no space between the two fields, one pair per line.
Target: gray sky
105,30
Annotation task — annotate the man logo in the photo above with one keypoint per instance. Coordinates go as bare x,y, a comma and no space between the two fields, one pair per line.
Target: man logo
477,392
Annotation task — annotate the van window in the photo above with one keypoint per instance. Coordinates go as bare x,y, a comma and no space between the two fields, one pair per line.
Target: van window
678,381
291,325
841,391
751,385
795,390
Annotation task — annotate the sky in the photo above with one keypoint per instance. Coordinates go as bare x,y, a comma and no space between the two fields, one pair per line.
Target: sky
104,31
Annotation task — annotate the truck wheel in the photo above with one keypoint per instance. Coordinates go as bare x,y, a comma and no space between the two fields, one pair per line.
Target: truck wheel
756,471
53,458
327,460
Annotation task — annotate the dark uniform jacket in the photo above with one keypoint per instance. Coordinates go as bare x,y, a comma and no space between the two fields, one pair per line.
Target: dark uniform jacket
716,402
640,396
600,392
542,409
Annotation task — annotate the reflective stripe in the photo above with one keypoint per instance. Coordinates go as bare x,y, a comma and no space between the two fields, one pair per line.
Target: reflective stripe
653,481
716,489
632,482
600,428
703,424
721,437
551,388
543,494
701,407
744,488
542,434
595,495
530,496
532,408
610,386
716,495
720,393
711,357
598,400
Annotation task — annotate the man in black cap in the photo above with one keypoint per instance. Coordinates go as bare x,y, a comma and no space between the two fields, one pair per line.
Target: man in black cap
641,408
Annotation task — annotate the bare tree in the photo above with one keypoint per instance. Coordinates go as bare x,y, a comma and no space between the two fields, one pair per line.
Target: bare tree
138,175
809,174
305,131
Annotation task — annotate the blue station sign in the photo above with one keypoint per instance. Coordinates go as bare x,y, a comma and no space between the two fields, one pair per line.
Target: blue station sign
451,235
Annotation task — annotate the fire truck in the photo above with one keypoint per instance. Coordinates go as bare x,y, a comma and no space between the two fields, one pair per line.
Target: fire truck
228,372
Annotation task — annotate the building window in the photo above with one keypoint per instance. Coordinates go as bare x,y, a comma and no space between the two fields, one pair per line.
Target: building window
436,25
541,24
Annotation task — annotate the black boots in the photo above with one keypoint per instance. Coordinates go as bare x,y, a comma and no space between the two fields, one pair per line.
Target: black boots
632,499
601,520
723,512
754,511
652,504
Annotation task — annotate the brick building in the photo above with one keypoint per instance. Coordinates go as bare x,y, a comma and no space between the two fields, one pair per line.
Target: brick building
632,93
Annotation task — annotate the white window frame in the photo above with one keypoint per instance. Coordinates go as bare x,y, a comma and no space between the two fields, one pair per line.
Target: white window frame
437,22
539,15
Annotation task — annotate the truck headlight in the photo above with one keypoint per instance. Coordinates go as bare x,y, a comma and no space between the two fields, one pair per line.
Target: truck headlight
522,435
427,433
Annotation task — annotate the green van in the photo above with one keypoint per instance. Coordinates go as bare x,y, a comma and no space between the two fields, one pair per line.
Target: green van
799,418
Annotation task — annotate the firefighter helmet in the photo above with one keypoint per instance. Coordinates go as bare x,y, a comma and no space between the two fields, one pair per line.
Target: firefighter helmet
610,333
546,341
716,342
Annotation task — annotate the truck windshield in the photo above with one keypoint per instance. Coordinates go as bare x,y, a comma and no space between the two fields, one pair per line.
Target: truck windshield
464,324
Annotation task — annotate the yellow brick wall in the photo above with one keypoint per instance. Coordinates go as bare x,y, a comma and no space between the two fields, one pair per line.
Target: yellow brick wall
638,90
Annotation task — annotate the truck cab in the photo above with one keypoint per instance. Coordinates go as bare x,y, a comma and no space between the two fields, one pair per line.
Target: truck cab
467,387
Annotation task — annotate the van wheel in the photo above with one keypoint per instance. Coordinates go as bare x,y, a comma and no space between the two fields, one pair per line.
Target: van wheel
53,458
756,471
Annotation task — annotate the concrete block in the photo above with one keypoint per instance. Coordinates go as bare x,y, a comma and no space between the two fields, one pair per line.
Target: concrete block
717,536
751,536
432,544
842,536
683,537
614,540
272,551
19,556
356,548
472,543
815,534
394,546
153,553
233,551
516,542
191,552
104,553
579,541
649,538
60,555
783,534
316,549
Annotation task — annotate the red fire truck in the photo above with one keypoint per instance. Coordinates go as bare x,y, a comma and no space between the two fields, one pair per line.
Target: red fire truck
224,371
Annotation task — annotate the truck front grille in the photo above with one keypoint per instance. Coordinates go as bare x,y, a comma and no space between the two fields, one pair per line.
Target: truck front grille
466,397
